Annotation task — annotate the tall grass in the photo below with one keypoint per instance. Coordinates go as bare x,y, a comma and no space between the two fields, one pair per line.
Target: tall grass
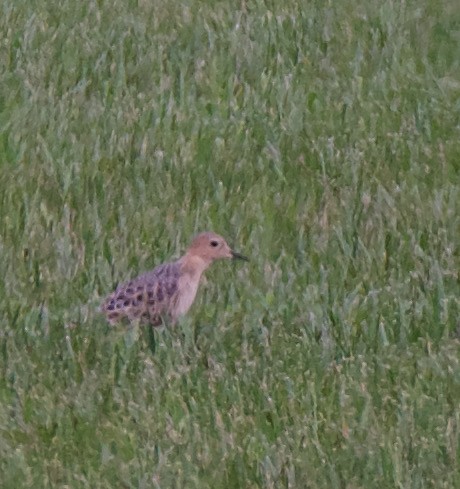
322,139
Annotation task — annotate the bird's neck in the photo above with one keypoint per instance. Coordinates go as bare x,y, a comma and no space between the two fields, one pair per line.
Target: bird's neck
194,265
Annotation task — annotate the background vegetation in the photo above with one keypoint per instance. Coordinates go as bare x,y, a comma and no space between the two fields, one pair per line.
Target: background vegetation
322,138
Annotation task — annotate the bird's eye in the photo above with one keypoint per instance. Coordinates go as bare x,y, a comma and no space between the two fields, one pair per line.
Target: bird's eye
214,243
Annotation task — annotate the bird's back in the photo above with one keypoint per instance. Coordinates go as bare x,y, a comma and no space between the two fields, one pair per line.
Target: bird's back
148,297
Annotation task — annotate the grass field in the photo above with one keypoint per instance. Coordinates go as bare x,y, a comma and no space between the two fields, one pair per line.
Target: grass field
323,140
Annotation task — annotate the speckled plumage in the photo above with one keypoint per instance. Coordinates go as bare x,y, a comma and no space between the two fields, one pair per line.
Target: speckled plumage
167,291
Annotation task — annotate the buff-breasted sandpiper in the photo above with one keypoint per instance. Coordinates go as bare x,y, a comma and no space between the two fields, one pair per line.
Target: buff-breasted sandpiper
167,291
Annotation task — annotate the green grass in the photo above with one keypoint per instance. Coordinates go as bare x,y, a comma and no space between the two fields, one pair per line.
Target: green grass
323,140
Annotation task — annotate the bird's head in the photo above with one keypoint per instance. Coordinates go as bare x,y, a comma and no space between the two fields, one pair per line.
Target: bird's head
210,246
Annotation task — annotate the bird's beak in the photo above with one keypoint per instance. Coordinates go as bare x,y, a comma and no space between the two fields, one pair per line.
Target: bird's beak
237,256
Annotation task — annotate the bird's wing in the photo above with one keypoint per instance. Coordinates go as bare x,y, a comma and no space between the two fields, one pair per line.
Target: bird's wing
146,297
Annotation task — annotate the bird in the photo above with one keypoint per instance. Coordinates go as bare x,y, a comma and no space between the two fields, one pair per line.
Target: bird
169,290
